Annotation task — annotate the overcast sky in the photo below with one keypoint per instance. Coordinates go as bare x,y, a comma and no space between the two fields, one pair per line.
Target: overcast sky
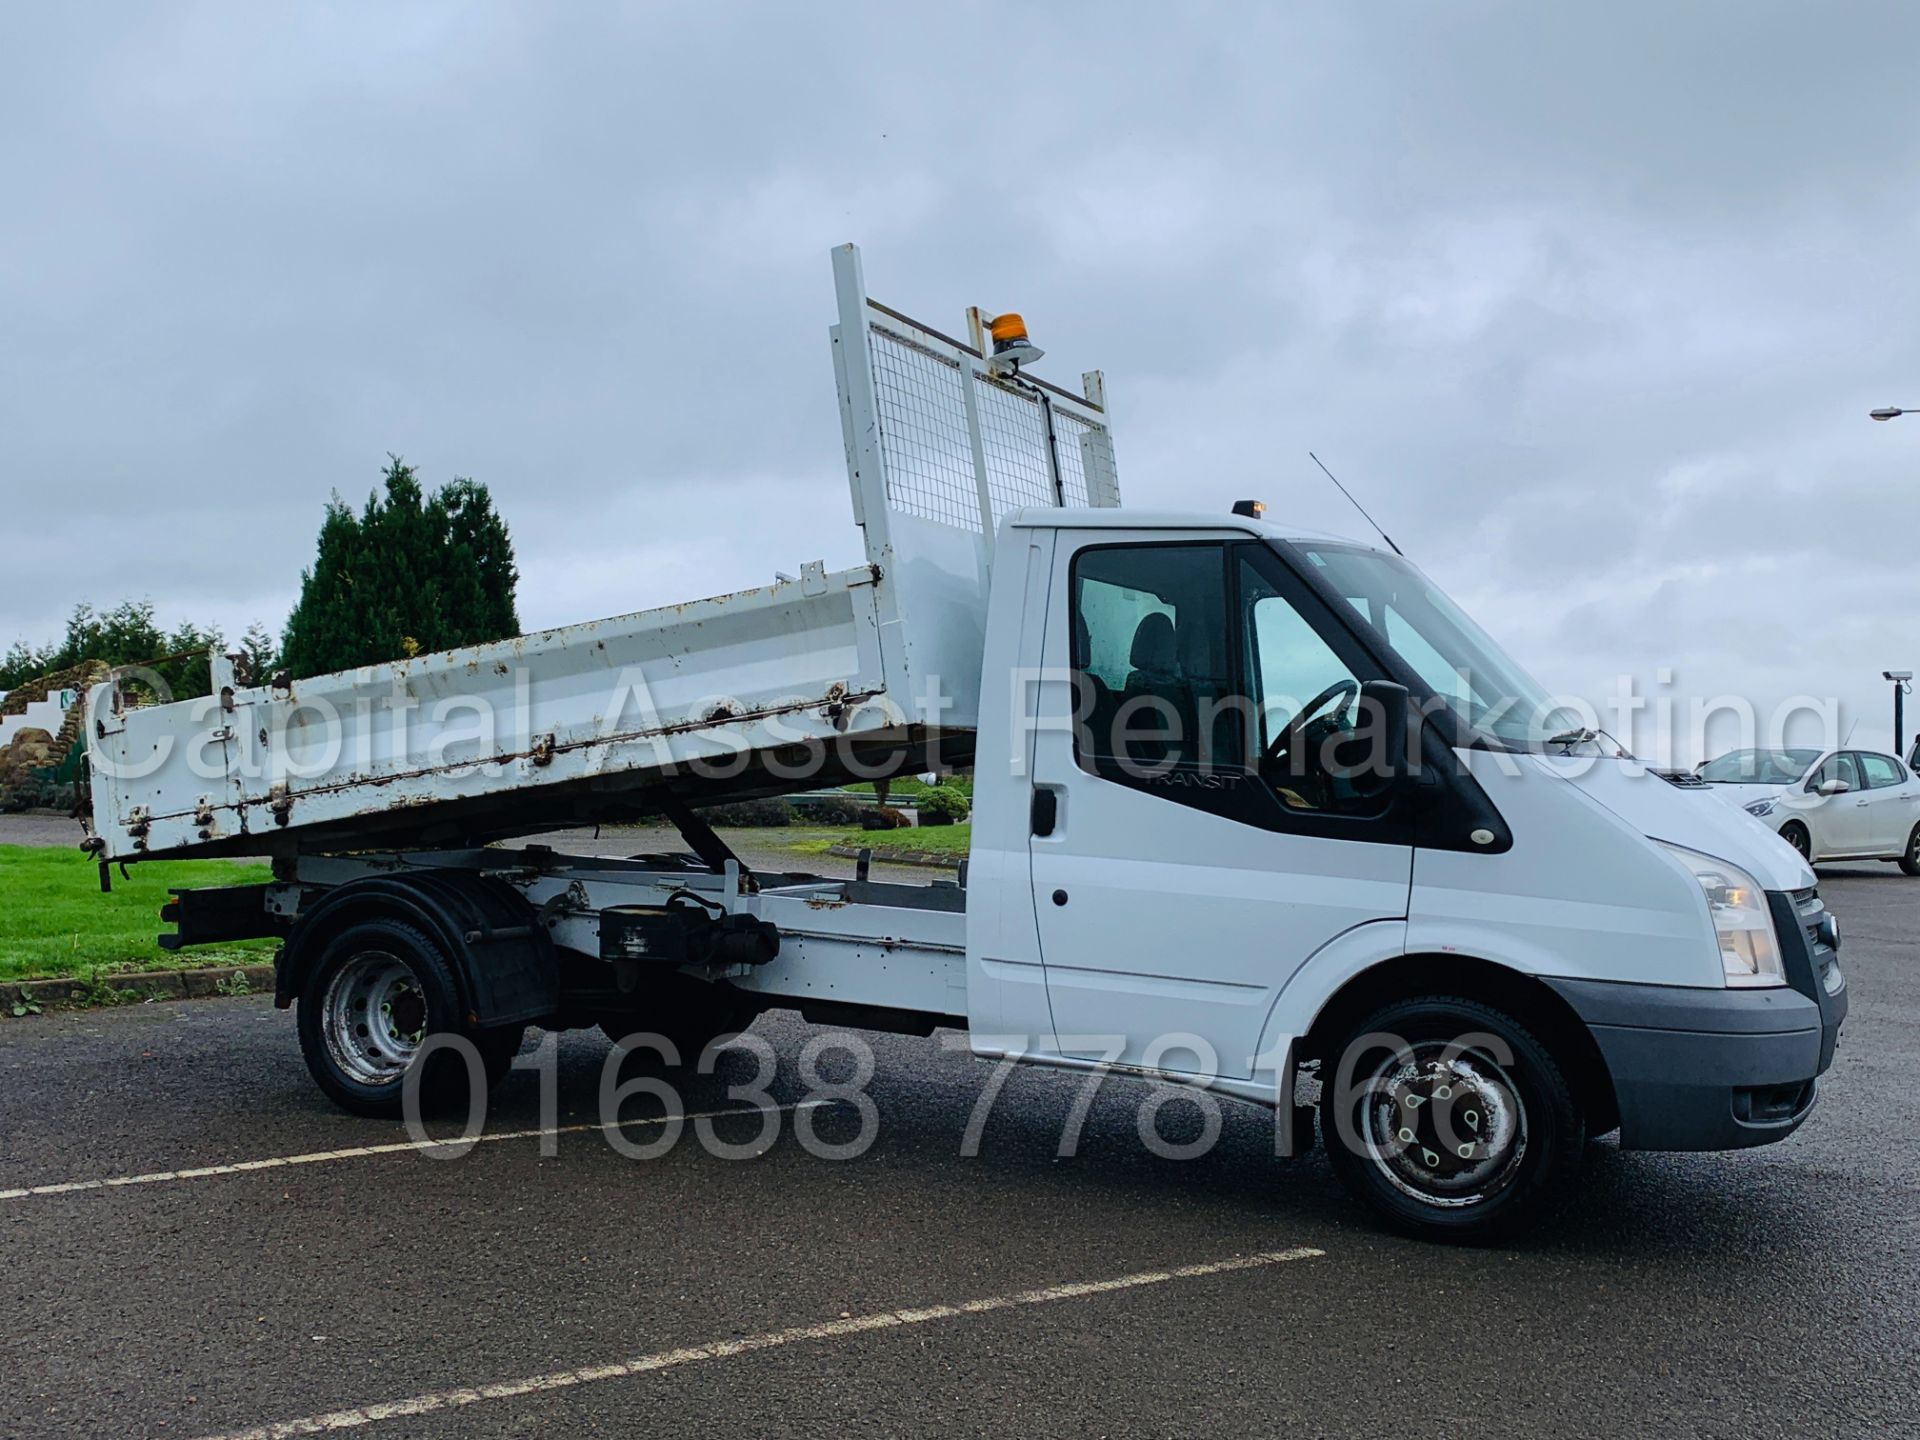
1589,303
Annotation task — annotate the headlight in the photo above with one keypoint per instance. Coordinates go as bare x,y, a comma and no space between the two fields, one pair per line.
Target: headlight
1749,950
1762,807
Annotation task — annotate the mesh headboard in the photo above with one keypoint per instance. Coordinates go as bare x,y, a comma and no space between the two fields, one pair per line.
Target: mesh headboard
934,433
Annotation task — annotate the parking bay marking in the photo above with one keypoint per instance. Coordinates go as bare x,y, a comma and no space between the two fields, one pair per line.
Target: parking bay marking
725,1349
361,1152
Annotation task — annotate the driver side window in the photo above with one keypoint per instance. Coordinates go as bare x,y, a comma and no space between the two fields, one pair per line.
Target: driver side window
1303,697
1838,767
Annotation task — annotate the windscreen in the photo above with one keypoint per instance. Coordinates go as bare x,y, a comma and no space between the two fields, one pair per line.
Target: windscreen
1484,686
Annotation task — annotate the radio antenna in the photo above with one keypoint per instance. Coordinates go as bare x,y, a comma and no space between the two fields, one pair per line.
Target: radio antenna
1356,505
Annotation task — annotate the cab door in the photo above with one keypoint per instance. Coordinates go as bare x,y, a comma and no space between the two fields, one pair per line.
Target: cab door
1180,879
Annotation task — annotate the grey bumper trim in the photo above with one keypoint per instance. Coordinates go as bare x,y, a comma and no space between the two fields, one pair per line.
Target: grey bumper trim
1769,1011
1700,1069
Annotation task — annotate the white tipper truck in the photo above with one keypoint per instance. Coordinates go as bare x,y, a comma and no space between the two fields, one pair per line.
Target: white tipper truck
1481,946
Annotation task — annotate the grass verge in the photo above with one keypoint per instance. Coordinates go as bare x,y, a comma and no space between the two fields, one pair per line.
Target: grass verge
55,923
930,839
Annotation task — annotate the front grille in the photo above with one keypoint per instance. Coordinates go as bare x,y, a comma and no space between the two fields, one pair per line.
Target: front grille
1809,942
1811,912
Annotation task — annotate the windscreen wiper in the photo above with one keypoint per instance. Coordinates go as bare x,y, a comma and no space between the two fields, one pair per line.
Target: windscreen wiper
1570,738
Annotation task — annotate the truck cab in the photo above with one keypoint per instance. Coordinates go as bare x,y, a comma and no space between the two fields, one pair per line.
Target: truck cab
1267,804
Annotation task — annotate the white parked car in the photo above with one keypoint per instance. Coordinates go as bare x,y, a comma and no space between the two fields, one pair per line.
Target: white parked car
1827,804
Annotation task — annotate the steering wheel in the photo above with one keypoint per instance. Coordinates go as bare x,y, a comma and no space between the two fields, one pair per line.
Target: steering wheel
1346,690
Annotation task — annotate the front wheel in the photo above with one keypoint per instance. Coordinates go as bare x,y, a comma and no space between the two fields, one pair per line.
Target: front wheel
1910,861
1448,1119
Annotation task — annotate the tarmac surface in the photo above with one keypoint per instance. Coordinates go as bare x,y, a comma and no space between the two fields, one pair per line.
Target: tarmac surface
375,1286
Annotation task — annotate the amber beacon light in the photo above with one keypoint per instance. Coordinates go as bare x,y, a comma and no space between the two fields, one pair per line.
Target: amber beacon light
1010,343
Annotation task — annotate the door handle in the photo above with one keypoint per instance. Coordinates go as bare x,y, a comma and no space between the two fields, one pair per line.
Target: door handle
1044,814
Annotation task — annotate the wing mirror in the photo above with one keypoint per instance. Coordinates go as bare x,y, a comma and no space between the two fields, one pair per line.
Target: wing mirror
1374,756
1832,787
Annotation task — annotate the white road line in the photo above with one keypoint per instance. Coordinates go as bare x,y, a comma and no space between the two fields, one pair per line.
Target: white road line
725,1349
361,1152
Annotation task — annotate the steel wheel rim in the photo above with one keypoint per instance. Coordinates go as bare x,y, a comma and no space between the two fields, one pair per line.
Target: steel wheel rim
1446,1126
374,1017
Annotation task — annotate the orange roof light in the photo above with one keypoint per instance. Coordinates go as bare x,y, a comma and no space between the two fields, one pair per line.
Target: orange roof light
1006,328
1010,345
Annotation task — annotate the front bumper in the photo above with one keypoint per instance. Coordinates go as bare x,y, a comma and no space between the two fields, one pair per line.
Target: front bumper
1713,1069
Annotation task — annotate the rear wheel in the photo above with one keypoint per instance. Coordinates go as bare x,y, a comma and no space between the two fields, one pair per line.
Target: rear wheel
1450,1120
1795,834
379,990
1910,861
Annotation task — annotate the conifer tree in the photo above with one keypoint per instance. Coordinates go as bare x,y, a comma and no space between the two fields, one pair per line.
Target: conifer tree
411,574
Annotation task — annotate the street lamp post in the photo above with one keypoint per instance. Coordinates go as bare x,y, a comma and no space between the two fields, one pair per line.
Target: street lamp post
1893,412
1902,682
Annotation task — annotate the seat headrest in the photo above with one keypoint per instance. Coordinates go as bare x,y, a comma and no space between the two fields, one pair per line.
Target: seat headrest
1153,643
1196,653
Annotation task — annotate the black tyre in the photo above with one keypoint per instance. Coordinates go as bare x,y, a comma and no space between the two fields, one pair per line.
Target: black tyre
1910,860
1450,1120
690,1013
1795,834
379,989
